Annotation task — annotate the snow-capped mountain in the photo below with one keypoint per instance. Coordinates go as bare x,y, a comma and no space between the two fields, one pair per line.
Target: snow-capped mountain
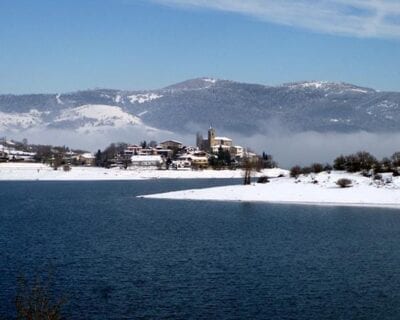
188,106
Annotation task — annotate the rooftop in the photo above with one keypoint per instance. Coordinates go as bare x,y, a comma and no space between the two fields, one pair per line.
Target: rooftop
223,138
174,141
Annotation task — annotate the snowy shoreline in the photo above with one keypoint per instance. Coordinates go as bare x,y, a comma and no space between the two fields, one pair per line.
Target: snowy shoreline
297,203
40,172
313,189
365,192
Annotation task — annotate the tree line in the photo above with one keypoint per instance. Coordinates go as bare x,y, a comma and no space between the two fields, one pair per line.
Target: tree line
361,161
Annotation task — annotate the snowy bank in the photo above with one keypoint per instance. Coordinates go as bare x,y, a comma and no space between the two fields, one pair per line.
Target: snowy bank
35,171
317,189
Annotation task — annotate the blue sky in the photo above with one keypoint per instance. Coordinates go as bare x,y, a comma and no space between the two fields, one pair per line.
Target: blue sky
61,46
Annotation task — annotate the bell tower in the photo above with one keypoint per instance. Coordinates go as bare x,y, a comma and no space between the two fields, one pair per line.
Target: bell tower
211,137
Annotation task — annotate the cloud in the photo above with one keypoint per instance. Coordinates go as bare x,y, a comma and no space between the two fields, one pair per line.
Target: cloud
360,18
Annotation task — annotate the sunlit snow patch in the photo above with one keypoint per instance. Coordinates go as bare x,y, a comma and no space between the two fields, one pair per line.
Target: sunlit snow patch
142,98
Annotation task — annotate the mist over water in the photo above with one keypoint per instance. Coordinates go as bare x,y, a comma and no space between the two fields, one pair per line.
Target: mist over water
306,147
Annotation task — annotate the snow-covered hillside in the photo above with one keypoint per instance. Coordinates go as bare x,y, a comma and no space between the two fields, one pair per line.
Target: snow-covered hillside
17,121
141,98
98,116
337,88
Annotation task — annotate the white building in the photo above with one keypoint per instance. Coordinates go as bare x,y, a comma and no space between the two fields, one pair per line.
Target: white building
86,159
149,161
171,144
237,151
196,159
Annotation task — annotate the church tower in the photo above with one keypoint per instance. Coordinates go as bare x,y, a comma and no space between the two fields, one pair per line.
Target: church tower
211,138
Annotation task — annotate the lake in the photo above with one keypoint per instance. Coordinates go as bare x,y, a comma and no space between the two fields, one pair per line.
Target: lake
115,256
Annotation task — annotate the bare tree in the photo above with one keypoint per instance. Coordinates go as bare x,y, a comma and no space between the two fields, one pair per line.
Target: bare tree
57,161
296,171
249,166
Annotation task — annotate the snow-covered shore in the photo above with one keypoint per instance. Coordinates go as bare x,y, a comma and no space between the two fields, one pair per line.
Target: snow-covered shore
318,189
364,191
35,171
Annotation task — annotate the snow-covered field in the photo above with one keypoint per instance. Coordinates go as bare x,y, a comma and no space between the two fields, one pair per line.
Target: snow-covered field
34,171
364,191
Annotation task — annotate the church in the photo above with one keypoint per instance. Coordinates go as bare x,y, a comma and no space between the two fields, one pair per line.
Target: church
214,143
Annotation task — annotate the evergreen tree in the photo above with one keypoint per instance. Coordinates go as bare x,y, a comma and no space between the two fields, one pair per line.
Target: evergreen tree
396,159
99,159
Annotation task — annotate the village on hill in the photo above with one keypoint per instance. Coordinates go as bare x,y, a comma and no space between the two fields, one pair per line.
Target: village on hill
216,152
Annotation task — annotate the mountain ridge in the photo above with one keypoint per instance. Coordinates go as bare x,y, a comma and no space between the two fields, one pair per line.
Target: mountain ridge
232,106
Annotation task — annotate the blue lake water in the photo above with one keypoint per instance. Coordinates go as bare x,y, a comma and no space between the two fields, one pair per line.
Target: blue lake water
114,256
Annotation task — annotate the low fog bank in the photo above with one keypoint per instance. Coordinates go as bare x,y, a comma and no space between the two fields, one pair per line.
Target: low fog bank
303,148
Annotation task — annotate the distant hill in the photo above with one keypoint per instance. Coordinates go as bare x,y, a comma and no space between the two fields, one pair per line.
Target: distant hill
230,106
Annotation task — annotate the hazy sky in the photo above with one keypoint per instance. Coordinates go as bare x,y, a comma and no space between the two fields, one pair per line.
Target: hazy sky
65,45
